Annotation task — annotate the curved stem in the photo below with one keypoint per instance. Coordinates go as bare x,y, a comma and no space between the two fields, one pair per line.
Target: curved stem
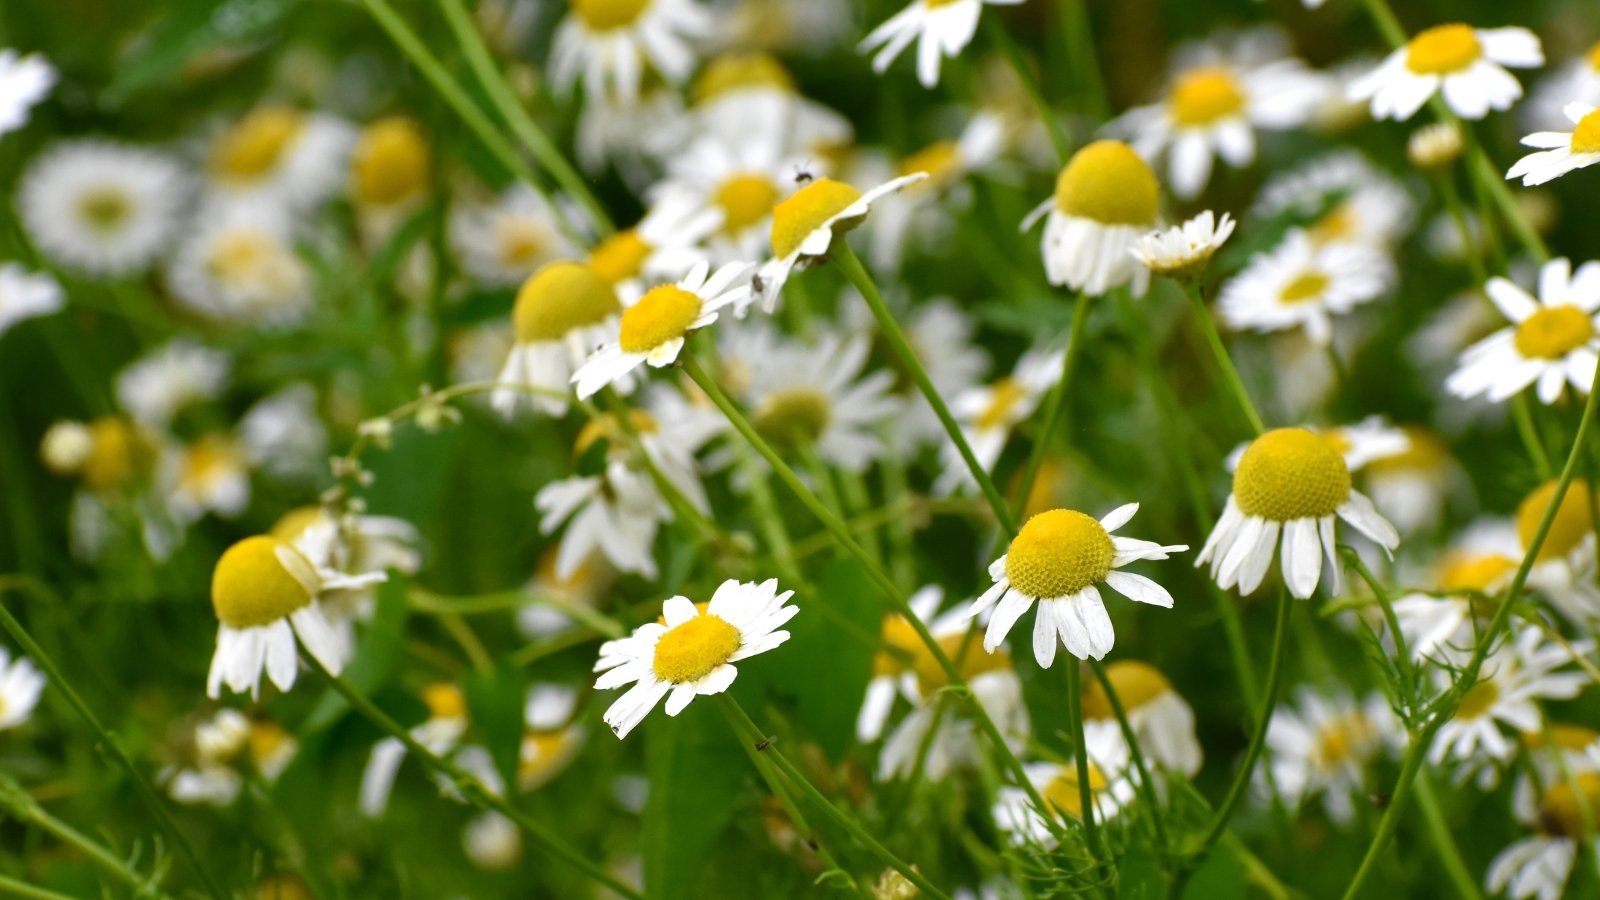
16,888
1058,403
1522,414
1146,785
1402,652
15,800
1224,361
1439,833
1091,829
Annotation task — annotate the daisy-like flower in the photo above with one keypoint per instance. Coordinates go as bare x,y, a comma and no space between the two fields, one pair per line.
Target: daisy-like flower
504,242
1466,63
26,295
805,224
163,382
267,597
211,475
24,81
957,742
691,650
940,27
1411,487
110,454
1515,678
926,211
987,414
737,185
549,737
1562,816
281,156
284,435
1296,482
1057,561
1300,284
1162,722
1554,340
653,330
743,97
223,745
1182,252
663,246
903,662
608,43
440,732
1106,199
1564,568
1110,790
390,167
101,208
1576,80
1561,152
20,686
1326,744
240,267
563,311
1353,200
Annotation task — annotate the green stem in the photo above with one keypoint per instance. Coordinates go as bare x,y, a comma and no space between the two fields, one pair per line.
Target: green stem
1522,414
1013,56
1091,829
1458,211
1058,402
1443,843
1224,361
108,740
16,801
468,784
22,889
1402,653
902,563
1147,785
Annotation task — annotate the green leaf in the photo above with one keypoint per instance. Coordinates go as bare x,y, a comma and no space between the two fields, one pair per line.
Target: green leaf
696,770
830,654
494,701
188,29
1139,873
376,655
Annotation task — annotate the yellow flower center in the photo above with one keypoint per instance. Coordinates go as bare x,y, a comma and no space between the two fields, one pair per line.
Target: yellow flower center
251,587
900,646
255,146
120,454
694,649
1462,571
1062,791
1563,735
267,740
294,523
1424,452
1593,56
1478,700
444,701
1203,96
620,257
663,314
806,210
1136,684
1567,529
794,417
605,15
105,209
1553,332
1004,396
1443,49
543,753
207,459
1305,287
1057,553
281,887
1108,182
1586,137
1337,224
390,163
244,256
1562,814
736,71
606,426
940,160
521,243
1343,739
1291,473
745,199
559,297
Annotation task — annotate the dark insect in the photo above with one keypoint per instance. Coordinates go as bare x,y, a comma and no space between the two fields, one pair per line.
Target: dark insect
757,284
803,176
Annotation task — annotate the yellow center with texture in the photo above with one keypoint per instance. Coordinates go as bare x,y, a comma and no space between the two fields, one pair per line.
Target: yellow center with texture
1443,50
1205,95
1342,740
694,649
806,210
663,314
250,586
1305,287
1570,525
1553,332
1291,473
1136,684
1109,183
745,199
1058,553
559,297
619,257
391,162
794,417
254,146
1586,136
606,15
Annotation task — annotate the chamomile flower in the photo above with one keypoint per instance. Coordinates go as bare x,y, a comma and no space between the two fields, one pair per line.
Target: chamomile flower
805,223
955,741
1106,199
209,475
390,167
504,242
163,382
691,650
1326,745
1411,487
440,732
736,183
1057,562
926,211
1109,788
101,208
267,597
1300,284
281,156
1576,80
26,295
24,81
608,43
1182,252
549,737
1564,568
1353,201
1553,341
745,97
563,311
1561,814
1514,679
663,246
1561,152
240,268
1161,721
894,667
1466,63
940,27
20,686
350,543
284,436
987,414
1294,482
653,330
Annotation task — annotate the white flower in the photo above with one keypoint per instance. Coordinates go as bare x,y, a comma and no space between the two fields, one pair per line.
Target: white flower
1554,340
958,743
1576,80
940,27
160,384
1514,678
927,211
653,330
1536,867
20,686
240,267
267,597
1564,569
988,413
503,242
549,737
284,435
610,129
663,246
1302,284
24,81
101,208
1057,561
607,43
279,156
563,312
492,841
1106,199
748,97
1355,202
440,733
1109,788
736,186
1326,746
894,671
1561,152
692,650
26,295
1161,721
1296,482
1182,251
1466,63
211,474
1410,487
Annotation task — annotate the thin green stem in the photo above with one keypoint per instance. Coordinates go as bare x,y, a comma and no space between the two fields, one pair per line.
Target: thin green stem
1147,786
1013,55
1443,843
1224,361
1402,652
1058,403
1522,414
1091,829
17,888
1458,212
15,800
108,740
468,784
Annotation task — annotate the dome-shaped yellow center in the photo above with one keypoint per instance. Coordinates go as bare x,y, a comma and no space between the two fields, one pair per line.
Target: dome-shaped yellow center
695,649
1062,791
794,417
806,210
105,209
256,145
1109,183
1553,331
1205,95
1443,50
1561,812
444,701
745,199
1136,683
1058,553
1004,395
1305,287
1479,699
663,314
620,256
120,454
1291,473
1337,224
251,587
738,71
941,160
208,459
1567,530
1343,739
1466,571
606,15
244,257
900,647
294,523
1586,137
391,162
559,297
